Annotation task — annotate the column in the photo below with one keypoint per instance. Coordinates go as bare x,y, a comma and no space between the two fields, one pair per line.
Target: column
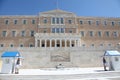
75,43
65,42
60,43
36,43
70,42
40,43
45,42
50,43
55,42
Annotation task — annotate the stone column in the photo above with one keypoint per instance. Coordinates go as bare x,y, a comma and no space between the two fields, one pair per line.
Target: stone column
50,43
70,42
40,43
65,43
60,43
55,42
36,43
45,43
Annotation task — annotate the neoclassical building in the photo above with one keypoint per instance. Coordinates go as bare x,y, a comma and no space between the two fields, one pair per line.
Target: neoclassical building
59,28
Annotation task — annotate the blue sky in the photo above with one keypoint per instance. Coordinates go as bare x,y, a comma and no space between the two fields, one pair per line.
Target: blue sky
100,8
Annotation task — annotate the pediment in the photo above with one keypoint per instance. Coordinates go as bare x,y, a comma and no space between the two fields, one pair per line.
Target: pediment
57,12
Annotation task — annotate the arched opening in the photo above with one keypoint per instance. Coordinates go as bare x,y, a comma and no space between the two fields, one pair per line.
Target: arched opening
53,43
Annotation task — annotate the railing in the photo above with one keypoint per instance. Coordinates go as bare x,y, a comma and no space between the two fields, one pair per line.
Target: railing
57,48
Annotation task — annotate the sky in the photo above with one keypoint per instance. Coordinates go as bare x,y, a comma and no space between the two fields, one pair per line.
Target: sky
98,8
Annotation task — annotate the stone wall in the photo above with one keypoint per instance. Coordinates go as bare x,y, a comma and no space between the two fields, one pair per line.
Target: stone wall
51,57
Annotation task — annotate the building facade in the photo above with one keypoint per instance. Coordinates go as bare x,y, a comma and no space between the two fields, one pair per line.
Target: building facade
58,28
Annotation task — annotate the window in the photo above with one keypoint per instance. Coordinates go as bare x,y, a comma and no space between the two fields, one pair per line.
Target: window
4,33
115,34
119,23
107,33
82,33
91,33
1,45
21,45
92,45
32,33
105,23
57,30
22,33
24,22
53,30
62,30
6,21
89,22
97,23
57,20
70,21
99,33
83,45
109,45
101,45
11,45
62,20
113,23
15,21
70,31
53,20
45,21
81,22
13,33
33,21
31,45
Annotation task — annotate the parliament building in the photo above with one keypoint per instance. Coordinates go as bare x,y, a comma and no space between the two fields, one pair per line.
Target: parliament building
59,37
58,28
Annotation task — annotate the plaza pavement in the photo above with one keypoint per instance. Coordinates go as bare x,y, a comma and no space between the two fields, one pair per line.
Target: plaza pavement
63,74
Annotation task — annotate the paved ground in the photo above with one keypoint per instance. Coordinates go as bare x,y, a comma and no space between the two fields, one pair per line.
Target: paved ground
63,74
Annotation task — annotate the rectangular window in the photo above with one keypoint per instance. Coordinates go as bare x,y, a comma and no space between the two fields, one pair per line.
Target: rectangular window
15,21
53,20
81,22
113,23
24,22
105,23
62,20
13,33
23,33
107,33
53,30
89,22
70,21
6,21
1,45
115,34
99,33
33,21
32,33
45,21
57,30
4,33
97,23
62,30
82,33
119,23
57,20
91,33
11,45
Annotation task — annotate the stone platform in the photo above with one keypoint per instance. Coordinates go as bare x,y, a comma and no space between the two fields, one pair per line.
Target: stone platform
63,74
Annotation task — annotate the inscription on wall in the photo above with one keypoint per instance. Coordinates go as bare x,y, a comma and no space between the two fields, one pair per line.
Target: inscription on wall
60,56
